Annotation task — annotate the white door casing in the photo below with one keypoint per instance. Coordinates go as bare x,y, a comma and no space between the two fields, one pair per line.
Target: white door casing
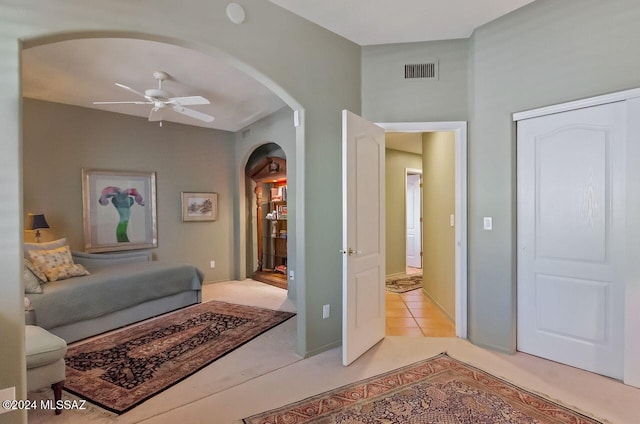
459,129
363,178
571,241
413,215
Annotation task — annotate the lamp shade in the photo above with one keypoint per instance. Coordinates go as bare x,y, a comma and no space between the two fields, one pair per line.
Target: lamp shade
36,221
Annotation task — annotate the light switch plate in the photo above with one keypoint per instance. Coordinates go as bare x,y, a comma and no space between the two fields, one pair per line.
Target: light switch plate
488,223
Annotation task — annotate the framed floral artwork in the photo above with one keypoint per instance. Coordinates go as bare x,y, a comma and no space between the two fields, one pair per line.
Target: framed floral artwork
199,206
119,210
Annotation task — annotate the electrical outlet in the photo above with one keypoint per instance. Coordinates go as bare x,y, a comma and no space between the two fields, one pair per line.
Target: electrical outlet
291,275
213,264
326,311
7,394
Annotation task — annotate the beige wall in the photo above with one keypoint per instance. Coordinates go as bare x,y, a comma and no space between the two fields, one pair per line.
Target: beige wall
438,164
396,163
60,140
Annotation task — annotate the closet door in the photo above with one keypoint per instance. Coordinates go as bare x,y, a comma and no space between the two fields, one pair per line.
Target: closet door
571,237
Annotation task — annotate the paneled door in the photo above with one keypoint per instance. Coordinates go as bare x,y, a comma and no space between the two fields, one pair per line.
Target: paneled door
571,241
414,225
363,307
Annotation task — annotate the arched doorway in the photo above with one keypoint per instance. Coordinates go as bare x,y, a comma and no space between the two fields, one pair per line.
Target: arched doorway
266,173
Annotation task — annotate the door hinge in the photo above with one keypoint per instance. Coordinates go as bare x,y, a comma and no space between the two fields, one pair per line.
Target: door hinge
420,219
420,185
420,253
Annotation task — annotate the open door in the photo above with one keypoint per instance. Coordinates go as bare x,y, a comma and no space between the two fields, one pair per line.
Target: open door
363,174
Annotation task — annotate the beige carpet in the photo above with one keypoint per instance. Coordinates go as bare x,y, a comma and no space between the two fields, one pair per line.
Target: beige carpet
436,390
120,371
266,373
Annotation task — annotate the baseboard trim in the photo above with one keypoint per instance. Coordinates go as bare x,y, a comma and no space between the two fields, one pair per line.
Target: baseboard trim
438,304
323,348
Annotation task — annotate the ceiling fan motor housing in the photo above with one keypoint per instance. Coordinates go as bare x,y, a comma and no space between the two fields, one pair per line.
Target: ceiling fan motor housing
159,94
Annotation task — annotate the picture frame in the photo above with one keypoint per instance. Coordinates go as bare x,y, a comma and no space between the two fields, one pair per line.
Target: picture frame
119,210
199,206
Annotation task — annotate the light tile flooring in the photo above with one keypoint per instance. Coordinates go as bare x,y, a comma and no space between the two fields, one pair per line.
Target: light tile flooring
414,314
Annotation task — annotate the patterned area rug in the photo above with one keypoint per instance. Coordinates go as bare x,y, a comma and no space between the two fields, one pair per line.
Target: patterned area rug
122,370
437,390
404,284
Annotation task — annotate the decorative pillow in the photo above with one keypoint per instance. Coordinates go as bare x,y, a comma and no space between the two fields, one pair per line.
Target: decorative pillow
35,271
31,282
66,271
57,264
44,246
47,259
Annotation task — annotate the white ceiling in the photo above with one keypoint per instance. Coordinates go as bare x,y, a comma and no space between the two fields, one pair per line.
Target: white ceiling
368,22
79,72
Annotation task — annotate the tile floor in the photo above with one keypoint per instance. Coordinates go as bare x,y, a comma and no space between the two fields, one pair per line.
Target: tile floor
415,314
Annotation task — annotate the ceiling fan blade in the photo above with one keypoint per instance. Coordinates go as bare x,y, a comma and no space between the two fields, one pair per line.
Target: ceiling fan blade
123,103
188,101
131,90
194,114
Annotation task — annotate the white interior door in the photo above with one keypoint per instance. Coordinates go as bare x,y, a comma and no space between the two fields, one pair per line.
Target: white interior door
414,226
363,308
571,237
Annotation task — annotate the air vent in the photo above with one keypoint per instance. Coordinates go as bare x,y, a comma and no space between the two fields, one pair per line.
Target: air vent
421,71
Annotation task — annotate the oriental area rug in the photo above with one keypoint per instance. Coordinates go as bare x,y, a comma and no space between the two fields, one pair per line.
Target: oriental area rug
437,390
404,284
121,370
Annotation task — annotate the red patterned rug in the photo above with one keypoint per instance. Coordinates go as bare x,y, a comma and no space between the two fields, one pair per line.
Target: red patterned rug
437,390
122,370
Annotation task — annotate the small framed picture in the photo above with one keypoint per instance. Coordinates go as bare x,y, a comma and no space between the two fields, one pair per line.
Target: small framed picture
199,206
282,211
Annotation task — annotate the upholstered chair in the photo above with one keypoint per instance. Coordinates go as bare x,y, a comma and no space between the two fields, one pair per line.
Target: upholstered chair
45,361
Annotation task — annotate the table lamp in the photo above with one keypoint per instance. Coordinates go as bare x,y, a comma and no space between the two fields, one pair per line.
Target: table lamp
36,222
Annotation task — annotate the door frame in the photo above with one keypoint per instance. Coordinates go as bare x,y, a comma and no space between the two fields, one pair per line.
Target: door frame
459,128
407,172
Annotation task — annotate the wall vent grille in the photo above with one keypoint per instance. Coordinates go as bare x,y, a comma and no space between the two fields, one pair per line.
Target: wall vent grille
421,71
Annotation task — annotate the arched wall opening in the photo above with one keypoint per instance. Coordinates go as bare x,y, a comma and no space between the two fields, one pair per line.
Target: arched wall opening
236,200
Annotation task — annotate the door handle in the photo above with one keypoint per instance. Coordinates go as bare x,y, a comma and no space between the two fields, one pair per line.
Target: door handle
350,251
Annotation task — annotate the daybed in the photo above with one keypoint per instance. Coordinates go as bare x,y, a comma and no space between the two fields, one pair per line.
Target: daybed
122,288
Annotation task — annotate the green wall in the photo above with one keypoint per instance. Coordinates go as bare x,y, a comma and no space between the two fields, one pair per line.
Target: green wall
388,97
439,202
396,163
277,128
545,53
273,45
59,140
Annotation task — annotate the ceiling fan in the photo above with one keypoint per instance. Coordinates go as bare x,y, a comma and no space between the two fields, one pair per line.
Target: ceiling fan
162,100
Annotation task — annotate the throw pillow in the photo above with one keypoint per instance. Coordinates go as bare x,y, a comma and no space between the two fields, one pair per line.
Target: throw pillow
35,271
66,271
44,246
31,282
44,260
